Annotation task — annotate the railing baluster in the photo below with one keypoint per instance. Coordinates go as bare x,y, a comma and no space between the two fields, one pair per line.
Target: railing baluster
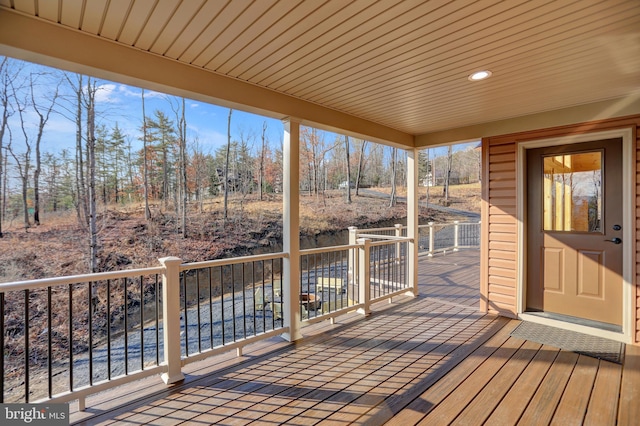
49,343
244,303
109,329
253,293
222,303
126,329
264,295
183,282
142,346
273,303
90,325
210,270
26,346
198,310
233,301
2,343
157,318
70,319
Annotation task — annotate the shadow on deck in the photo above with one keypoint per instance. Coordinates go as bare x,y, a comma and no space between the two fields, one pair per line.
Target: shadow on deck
434,359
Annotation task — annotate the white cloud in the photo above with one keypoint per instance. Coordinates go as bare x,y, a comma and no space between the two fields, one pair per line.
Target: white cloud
153,94
128,91
106,93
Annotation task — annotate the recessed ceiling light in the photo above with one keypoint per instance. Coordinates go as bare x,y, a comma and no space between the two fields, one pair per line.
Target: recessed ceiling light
480,75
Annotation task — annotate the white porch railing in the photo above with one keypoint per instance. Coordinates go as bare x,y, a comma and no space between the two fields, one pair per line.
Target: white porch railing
433,237
70,337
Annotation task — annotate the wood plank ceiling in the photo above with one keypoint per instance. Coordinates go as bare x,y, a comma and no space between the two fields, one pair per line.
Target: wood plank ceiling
403,64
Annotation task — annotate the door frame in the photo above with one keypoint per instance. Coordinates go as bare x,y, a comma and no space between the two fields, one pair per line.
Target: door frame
628,235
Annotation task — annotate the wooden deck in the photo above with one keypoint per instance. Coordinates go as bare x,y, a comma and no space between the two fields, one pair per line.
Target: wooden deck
431,360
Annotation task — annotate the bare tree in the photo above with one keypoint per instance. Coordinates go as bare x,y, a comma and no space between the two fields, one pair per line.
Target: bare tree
394,153
22,159
145,166
91,172
183,167
76,82
5,82
199,173
43,113
447,175
360,165
314,152
226,168
346,147
263,151
179,111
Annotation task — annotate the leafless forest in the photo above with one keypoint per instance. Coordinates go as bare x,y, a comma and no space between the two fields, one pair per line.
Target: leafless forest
114,196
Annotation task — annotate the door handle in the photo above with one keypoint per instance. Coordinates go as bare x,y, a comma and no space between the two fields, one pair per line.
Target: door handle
615,240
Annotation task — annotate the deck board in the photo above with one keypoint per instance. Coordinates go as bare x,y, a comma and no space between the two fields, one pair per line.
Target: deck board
434,359
512,406
544,402
575,400
481,407
603,406
630,390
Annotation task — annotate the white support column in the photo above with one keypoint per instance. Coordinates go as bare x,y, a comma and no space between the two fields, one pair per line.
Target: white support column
364,284
171,319
398,245
412,218
456,231
291,229
353,264
431,239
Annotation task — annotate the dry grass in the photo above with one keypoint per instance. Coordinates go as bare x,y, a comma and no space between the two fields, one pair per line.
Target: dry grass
462,197
60,245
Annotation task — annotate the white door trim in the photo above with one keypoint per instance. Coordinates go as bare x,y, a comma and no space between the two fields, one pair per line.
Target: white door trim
628,207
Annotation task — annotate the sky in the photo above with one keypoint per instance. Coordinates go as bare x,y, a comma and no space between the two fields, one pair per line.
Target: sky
122,104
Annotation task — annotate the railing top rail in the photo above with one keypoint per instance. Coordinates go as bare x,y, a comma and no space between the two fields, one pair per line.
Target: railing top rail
77,279
391,228
232,261
389,242
381,237
423,225
319,250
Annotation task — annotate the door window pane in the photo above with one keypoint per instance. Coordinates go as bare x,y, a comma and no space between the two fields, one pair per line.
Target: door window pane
573,192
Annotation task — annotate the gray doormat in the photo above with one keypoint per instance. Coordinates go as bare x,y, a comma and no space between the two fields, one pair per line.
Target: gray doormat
596,347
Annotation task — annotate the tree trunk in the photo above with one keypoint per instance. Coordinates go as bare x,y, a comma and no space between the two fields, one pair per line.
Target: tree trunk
226,167
393,177
91,171
25,165
43,118
81,199
36,181
360,165
4,98
447,177
147,211
346,145
3,212
262,155
429,178
183,168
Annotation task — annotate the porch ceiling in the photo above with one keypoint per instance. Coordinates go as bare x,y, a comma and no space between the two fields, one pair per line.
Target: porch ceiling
397,68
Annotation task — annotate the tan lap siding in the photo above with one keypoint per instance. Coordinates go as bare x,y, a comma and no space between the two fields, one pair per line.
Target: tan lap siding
637,222
499,210
501,230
